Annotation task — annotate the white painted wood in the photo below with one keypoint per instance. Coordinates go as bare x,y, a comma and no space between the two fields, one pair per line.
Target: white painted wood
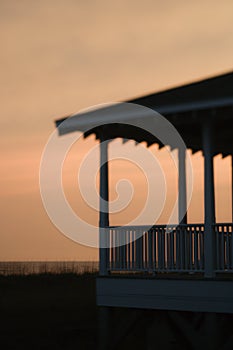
166,294
209,203
104,210
232,188
90,119
161,249
182,191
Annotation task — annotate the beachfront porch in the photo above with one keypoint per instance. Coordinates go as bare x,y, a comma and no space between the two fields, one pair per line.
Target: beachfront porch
177,268
169,267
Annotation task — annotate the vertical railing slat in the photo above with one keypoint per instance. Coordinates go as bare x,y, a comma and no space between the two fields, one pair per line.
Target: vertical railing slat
195,249
181,249
191,250
133,249
217,246
231,243
227,247
172,249
163,248
222,251
150,249
155,250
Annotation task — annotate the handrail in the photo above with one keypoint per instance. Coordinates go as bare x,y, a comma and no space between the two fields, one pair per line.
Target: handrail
153,226
169,225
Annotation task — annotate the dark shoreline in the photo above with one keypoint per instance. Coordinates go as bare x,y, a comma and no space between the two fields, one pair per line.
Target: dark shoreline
48,312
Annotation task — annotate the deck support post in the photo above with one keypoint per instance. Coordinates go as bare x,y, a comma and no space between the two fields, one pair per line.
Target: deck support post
103,207
209,200
182,196
104,327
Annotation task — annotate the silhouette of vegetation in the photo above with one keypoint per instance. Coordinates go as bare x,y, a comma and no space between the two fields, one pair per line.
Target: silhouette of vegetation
48,311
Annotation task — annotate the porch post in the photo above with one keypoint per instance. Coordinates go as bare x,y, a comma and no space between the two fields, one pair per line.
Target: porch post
182,196
209,200
232,188
103,209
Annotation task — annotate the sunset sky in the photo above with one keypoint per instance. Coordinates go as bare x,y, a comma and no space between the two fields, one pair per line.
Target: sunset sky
58,57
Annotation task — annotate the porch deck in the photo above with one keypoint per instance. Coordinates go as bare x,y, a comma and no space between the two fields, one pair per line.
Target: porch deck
163,267
180,292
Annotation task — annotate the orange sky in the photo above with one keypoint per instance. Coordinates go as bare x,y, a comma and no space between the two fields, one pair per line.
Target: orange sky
60,56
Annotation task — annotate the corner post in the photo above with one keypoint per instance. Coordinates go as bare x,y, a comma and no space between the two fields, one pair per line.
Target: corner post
209,198
103,206
183,234
232,187
182,198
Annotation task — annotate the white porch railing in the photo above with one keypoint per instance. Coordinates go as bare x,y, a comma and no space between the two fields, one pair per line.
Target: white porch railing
224,247
170,248
158,249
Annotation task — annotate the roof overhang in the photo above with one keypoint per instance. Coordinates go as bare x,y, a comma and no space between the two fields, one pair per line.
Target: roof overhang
186,107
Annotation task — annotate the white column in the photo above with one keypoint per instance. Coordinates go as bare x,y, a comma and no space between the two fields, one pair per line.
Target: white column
103,208
182,198
232,188
209,202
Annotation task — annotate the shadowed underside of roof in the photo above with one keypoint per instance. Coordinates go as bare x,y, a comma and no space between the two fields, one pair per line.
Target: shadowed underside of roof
218,88
186,107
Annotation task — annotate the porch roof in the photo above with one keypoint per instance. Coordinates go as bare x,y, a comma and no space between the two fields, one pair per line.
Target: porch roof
186,107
